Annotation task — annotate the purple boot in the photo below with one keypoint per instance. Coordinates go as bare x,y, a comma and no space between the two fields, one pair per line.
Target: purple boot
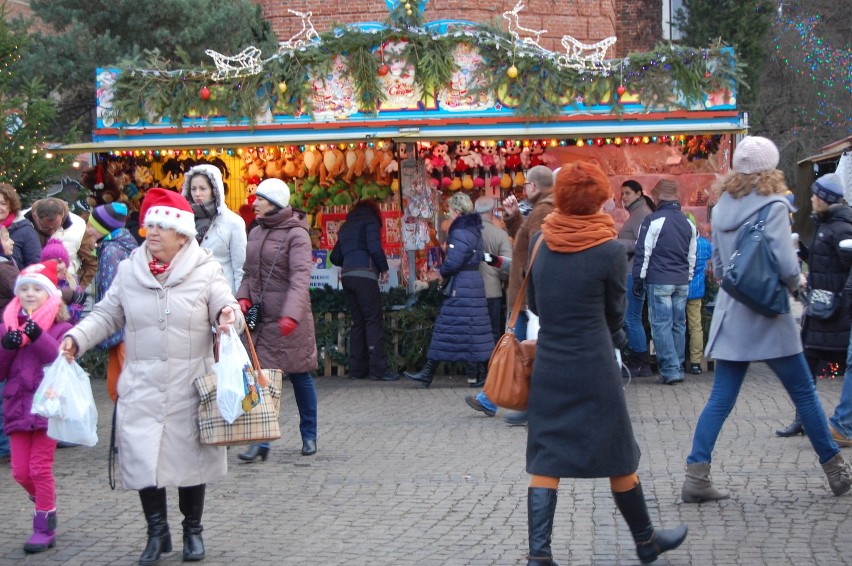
44,532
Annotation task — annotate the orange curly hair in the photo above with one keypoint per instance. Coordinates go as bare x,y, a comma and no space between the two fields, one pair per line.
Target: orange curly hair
581,189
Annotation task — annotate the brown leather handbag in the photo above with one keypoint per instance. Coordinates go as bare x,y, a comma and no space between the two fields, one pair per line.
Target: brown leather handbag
507,384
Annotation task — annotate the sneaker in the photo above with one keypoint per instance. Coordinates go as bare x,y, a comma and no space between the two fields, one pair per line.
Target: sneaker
695,369
517,419
474,404
839,438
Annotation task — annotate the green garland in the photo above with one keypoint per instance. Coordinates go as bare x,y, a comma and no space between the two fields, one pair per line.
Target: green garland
669,76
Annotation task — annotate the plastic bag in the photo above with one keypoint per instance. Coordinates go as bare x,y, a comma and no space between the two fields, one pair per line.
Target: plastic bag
532,326
65,398
230,376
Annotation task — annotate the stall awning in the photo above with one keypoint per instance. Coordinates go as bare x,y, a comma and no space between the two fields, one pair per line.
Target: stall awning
830,151
650,124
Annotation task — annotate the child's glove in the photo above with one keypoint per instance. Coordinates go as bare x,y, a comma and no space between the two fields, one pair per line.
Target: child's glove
287,325
12,340
32,330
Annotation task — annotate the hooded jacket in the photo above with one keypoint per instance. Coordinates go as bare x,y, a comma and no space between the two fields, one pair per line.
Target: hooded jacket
226,237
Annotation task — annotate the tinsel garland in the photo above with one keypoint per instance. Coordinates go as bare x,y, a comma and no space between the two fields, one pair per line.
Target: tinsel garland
669,76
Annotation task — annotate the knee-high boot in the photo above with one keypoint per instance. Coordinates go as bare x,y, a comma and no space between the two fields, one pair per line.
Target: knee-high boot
541,505
425,375
192,506
650,542
159,538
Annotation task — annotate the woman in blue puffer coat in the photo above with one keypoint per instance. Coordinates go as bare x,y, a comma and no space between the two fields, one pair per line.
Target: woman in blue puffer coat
462,331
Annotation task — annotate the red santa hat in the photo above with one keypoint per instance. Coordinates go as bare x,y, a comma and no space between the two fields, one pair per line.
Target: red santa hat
42,274
167,209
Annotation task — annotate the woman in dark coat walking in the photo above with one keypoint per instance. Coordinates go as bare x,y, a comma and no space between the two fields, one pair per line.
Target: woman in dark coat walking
826,340
462,332
579,426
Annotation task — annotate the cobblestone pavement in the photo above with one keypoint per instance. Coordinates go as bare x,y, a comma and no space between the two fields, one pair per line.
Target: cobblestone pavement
406,475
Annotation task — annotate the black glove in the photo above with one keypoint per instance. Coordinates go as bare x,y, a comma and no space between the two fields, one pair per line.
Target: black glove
639,288
32,330
619,339
12,340
492,260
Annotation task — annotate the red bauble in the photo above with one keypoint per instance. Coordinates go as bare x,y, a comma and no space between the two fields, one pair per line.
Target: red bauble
383,70
707,75
204,93
620,90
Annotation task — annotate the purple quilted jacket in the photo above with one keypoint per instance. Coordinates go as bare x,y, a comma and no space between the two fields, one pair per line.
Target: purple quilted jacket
23,370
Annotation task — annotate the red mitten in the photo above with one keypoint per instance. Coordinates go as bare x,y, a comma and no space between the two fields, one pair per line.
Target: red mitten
287,325
245,305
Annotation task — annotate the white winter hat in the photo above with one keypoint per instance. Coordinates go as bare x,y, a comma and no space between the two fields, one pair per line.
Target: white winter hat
755,154
275,191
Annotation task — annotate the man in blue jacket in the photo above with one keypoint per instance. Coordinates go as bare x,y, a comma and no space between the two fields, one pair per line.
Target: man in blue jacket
663,266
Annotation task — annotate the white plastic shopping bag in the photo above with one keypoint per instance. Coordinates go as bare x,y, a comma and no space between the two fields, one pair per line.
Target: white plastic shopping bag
65,398
532,326
230,375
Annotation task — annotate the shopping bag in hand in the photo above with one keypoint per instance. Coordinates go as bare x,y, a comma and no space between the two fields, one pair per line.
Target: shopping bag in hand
231,370
65,398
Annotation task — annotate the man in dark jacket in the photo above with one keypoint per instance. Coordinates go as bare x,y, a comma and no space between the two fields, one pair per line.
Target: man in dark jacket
663,265
359,252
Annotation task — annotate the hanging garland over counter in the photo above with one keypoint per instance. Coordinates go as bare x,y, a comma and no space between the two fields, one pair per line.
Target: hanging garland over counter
536,82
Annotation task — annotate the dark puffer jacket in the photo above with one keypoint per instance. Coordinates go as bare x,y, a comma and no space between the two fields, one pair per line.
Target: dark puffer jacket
359,242
462,331
828,269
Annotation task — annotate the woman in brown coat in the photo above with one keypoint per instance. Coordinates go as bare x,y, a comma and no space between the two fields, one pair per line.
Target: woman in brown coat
277,274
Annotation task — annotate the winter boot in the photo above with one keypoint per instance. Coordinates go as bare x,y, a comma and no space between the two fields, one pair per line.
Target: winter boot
425,375
192,506
641,366
839,474
541,505
650,542
793,429
697,487
44,532
159,537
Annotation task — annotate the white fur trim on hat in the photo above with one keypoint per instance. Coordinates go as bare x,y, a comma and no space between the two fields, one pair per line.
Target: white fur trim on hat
33,275
755,154
181,221
275,191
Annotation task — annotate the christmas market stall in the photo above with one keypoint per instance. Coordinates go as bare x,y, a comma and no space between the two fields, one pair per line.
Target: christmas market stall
407,112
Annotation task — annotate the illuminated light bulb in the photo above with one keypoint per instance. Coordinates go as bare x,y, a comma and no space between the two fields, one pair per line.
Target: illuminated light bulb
553,143
646,139
580,143
75,164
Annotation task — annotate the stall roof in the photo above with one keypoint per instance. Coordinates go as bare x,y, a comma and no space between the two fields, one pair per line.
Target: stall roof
659,123
830,151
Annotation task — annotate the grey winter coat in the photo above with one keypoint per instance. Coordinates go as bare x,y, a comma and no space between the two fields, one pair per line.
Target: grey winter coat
288,291
496,242
638,210
737,333
226,237
168,344
578,424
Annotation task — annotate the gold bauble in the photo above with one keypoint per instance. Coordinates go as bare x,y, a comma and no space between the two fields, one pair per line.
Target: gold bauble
512,72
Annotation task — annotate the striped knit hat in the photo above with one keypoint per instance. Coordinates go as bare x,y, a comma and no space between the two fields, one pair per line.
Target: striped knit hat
108,217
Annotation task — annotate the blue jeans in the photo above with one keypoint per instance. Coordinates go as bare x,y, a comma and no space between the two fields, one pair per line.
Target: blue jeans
306,401
795,377
4,440
842,418
667,311
521,335
637,341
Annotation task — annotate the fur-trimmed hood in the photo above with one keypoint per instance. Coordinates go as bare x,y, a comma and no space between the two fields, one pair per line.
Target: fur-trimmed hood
215,177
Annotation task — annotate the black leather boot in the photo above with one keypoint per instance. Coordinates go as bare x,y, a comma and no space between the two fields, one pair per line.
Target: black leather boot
425,375
541,505
192,506
650,542
642,365
254,452
159,537
792,429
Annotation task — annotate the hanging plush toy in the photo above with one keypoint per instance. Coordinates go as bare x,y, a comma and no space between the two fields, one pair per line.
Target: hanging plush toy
292,165
102,185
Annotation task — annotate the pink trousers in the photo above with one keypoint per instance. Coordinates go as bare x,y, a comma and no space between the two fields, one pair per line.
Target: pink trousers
32,466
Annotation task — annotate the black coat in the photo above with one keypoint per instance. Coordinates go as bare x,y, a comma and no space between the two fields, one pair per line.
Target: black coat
359,242
27,244
462,332
578,424
829,270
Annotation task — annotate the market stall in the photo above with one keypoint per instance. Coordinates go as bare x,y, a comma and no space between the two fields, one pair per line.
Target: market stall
407,112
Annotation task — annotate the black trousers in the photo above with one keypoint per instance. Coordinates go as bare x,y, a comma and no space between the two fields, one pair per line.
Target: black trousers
367,337
494,308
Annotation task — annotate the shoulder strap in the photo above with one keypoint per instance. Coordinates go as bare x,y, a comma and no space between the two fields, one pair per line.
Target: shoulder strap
519,300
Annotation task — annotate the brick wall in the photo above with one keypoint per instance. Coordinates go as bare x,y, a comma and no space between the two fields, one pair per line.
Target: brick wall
587,20
639,25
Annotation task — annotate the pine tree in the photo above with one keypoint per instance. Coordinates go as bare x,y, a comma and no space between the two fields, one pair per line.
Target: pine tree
25,111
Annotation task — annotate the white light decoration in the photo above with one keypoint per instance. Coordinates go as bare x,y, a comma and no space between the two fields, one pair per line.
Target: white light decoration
245,63
584,56
307,34
514,25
